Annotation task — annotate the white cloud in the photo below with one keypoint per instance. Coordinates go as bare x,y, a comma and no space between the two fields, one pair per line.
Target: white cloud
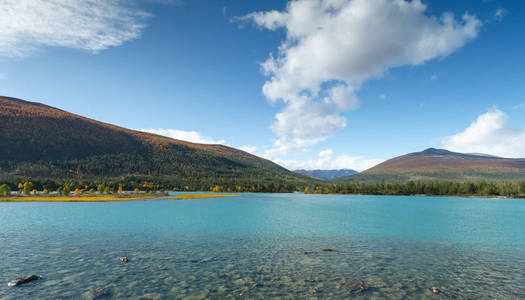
249,149
326,161
333,46
500,13
434,77
492,134
92,25
189,136
519,106
382,96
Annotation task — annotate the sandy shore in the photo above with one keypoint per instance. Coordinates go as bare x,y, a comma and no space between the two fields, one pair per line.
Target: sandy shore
108,198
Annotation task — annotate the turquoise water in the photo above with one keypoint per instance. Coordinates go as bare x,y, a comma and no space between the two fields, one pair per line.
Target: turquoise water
260,246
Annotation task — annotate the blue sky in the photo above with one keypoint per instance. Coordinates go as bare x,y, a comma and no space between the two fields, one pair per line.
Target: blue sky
192,70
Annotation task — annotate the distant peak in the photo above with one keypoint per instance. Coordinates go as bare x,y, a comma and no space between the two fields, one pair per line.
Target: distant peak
443,152
434,151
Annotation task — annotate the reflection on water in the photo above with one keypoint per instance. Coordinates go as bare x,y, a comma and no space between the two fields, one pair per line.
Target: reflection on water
167,263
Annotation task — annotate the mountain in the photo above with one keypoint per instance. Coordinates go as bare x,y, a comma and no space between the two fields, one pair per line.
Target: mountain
440,164
40,141
326,174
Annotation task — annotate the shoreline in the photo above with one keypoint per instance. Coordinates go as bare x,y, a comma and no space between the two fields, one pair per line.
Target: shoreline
424,195
110,198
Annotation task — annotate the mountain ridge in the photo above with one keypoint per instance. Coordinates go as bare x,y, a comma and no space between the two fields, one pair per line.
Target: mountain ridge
441,164
326,174
46,142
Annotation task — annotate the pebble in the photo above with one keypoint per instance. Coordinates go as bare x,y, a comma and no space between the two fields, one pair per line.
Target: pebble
100,293
23,279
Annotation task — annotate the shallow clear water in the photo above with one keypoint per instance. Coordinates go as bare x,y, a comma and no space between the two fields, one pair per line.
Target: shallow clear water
267,245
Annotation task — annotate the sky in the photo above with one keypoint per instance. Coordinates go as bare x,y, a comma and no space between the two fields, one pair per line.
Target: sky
313,84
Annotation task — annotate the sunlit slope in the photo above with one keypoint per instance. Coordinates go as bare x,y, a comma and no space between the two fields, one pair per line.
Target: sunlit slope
439,164
42,141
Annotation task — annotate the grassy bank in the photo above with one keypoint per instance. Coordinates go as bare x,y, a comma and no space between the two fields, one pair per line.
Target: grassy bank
107,198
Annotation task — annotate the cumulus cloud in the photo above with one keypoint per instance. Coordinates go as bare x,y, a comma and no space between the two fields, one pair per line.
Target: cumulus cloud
92,25
492,134
327,161
189,136
333,46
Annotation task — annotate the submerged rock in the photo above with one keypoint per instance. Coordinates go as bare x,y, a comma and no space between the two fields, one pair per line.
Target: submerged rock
23,279
354,285
100,293
124,259
435,290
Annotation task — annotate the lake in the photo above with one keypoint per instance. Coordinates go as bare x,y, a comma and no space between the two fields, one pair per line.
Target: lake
261,246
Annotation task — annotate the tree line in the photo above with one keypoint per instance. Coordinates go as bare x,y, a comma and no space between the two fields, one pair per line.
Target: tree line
32,186
149,185
437,188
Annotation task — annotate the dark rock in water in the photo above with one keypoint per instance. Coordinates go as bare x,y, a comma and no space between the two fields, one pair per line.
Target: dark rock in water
307,252
124,259
100,293
23,279
354,285
435,290
328,250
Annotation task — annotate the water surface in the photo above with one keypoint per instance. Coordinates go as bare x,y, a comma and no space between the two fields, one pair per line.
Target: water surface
267,245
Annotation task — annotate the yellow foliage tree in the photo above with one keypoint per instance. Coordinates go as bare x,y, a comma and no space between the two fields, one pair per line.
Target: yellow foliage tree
28,187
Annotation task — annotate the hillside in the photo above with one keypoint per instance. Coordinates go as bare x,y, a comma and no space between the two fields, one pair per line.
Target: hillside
439,164
40,141
326,174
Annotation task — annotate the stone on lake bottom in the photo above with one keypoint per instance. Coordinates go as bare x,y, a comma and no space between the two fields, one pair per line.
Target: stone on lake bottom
23,279
354,285
100,293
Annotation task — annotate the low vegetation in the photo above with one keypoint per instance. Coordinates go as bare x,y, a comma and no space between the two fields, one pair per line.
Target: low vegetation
436,188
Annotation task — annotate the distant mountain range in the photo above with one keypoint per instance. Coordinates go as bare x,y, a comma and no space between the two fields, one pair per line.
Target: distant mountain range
326,174
40,141
440,164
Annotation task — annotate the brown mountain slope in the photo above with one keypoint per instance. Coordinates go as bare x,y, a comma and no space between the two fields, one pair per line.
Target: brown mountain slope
438,159
439,164
42,141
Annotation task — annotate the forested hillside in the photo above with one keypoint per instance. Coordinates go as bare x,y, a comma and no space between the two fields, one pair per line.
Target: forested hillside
43,142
